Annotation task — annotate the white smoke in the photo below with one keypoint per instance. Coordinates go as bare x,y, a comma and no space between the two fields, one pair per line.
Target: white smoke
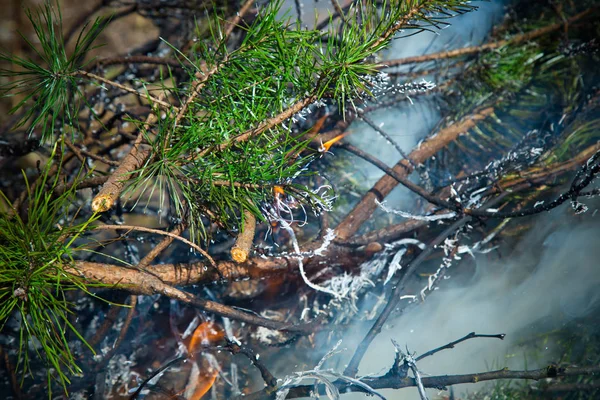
548,281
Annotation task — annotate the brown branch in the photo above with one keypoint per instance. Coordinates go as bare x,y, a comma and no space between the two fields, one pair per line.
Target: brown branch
237,18
394,297
243,244
268,124
99,158
411,13
107,324
488,46
111,190
14,382
84,184
451,345
136,59
140,282
267,376
534,175
132,304
363,210
180,274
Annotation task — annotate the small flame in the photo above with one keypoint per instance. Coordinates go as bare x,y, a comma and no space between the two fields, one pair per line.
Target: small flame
325,146
206,333
200,383
278,191
203,375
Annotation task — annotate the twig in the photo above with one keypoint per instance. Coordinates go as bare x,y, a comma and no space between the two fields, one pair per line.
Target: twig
338,9
363,210
156,250
99,158
132,305
399,24
117,85
231,24
267,376
137,59
155,373
268,124
14,382
443,381
243,244
399,284
158,232
394,296
84,184
107,324
451,345
111,190
488,46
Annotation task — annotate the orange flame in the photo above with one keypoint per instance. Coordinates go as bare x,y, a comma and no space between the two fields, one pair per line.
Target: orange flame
278,191
205,375
325,146
206,333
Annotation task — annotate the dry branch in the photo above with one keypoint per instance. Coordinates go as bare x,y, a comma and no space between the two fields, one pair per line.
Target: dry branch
443,381
363,210
141,282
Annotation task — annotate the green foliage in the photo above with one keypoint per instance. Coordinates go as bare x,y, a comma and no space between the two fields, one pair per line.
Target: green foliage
34,252
47,82
208,169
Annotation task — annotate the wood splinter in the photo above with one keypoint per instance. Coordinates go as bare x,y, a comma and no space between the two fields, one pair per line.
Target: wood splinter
243,244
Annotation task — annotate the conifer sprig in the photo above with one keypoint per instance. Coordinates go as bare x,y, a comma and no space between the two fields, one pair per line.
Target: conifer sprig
48,82
278,73
34,251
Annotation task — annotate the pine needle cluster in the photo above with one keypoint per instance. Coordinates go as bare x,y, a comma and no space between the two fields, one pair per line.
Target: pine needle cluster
35,251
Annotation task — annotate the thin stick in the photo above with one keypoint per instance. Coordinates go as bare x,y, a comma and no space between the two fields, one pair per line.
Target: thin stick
141,95
132,304
14,382
394,297
231,24
488,46
156,250
451,345
267,376
395,382
365,208
158,232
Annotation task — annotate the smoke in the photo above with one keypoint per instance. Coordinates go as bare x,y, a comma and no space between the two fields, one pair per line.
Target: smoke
550,280
546,281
